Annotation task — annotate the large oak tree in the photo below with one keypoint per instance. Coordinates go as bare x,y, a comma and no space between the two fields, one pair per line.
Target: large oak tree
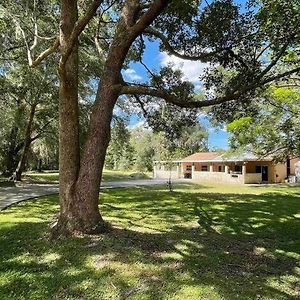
243,50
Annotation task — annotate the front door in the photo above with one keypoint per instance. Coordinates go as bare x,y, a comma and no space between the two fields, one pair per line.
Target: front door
264,173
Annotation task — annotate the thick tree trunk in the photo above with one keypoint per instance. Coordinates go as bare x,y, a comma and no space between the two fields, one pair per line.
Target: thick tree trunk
88,184
79,208
86,193
79,191
27,142
79,188
69,153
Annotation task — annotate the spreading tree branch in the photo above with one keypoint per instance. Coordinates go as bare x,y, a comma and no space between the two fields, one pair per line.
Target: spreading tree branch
202,56
155,8
101,20
45,53
140,102
192,103
79,27
276,59
171,98
281,75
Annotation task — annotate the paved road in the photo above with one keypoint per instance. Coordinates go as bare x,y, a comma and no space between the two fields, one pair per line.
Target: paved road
13,195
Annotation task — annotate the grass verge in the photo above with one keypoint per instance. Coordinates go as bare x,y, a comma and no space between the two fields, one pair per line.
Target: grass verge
108,175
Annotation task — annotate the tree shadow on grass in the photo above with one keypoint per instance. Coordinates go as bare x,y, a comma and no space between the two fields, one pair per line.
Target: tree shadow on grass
207,246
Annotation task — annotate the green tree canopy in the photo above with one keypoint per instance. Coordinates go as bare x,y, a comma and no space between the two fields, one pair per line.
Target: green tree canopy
275,128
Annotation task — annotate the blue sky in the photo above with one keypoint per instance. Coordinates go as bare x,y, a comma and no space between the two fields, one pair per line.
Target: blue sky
155,59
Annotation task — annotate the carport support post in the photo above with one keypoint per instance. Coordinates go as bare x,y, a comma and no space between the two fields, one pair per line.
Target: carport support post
226,169
244,172
154,170
244,169
193,170
211,168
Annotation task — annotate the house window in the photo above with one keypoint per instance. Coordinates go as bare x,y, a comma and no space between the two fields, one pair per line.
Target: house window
257,169
189,168
238,169
221,168
204,168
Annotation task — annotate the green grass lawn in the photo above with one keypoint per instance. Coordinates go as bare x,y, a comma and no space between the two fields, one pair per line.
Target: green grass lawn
108,175
198,242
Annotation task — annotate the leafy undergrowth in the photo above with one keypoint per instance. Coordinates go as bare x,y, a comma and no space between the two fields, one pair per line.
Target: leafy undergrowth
108,175
198,242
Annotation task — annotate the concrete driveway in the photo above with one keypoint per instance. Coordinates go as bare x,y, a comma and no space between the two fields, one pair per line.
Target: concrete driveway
23,192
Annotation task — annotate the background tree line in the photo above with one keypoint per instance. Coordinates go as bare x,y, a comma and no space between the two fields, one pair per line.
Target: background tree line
137,148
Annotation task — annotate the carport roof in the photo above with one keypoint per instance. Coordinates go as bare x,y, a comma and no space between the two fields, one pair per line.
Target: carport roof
217,157
220,158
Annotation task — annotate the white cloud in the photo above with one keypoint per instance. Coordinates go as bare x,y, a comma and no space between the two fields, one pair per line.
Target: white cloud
198,87
224,128
202,115
117,110
192,70
141,124
131,74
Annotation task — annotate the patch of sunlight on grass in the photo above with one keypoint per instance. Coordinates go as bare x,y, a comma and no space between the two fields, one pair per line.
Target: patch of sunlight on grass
50,258
182,248
286,284
169,255
187,292
289,254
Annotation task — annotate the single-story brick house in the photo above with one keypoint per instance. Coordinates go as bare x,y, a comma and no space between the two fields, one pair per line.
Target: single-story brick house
224,168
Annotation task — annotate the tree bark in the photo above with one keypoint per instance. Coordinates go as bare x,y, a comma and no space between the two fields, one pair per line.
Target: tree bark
69,153
88,183
27,142
79,195
86,196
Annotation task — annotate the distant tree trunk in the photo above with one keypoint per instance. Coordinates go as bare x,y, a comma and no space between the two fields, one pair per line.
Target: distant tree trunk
11,155
288,167
10,161
39,165
27,142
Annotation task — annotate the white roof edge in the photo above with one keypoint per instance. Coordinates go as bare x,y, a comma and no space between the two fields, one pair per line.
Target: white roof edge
212,161
167,161
230,160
